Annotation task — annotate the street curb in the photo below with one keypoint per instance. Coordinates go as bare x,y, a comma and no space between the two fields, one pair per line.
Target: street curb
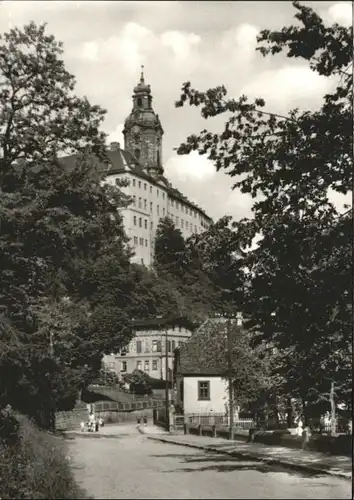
90,435
253,456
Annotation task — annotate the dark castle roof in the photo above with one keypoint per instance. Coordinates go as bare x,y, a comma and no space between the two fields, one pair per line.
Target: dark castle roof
121,161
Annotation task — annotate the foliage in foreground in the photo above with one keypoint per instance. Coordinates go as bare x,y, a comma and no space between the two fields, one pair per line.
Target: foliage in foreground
298,285
33,463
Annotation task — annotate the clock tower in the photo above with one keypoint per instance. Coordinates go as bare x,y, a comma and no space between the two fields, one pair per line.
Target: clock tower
143,131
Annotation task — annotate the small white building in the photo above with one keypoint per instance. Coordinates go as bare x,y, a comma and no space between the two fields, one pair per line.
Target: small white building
200,370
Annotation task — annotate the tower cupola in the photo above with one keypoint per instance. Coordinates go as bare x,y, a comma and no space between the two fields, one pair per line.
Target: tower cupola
143,131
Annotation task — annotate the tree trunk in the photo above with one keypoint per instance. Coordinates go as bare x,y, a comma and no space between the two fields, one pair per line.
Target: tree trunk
333,410
289,414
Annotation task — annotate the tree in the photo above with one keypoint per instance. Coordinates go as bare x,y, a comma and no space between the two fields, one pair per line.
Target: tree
216,253
169,255
59,224
139,382
180,277
298,289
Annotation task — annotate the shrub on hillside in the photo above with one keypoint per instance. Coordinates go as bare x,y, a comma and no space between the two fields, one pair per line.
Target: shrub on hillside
34,464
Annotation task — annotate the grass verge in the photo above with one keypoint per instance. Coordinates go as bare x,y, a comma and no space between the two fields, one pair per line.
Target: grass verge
34,464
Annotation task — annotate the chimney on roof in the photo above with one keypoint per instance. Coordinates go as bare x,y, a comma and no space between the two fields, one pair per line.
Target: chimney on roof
114,146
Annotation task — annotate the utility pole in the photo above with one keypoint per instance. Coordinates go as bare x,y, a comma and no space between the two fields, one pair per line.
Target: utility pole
229,359
53,406
166,375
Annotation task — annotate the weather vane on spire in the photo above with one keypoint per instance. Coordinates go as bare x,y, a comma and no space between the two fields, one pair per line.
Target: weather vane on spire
142,74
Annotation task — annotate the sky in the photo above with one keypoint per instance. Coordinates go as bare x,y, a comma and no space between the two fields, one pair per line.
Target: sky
208,43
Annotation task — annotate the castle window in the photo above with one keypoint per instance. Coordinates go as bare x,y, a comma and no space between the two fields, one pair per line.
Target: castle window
146,243
147,365
139,202
123,366
182,223
158,209
141,241
138,365
134,200
145,186
135,240
151,206
154,365
151,225
163,196
150,189
134,219
133,182
145,204
139,102
139,184
146,223
140,222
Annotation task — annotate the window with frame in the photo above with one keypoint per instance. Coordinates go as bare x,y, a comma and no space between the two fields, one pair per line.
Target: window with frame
134,199
147,366
138,365
203,390
151,225
151,206
135,240
145,204
138,346
140,222
158,209
145,186
141,241
146,223
139,202
163,195
133,182
154,365
134,220
156,346
123,366
150,189
139,184
169,346
146,243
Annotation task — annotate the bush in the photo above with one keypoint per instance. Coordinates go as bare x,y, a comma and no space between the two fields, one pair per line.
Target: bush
35,466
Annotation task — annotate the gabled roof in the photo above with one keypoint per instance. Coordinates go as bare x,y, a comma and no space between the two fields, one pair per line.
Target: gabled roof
204,353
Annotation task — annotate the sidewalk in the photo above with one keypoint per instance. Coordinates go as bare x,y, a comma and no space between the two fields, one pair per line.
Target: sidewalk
309,461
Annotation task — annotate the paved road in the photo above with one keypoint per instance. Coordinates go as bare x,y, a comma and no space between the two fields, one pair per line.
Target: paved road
132,466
